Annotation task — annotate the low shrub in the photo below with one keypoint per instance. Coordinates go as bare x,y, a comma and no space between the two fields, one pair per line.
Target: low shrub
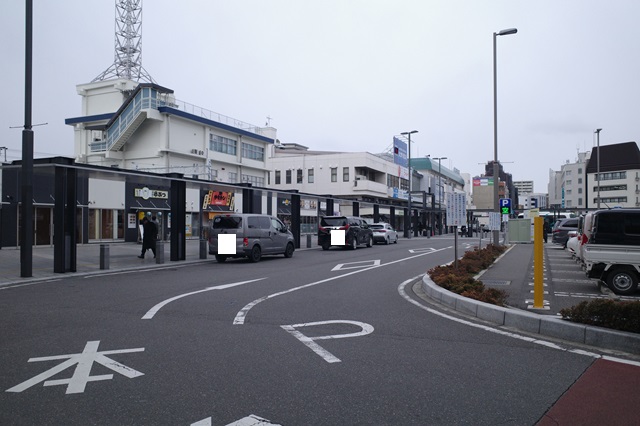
461,281
623,316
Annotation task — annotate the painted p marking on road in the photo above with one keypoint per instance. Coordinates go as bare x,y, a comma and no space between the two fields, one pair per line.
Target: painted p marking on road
355,265
310,341
156,308
82,375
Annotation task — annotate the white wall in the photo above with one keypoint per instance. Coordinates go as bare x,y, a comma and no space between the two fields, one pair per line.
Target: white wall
106,194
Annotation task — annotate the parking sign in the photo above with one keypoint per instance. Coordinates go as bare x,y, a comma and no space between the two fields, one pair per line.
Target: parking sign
505,205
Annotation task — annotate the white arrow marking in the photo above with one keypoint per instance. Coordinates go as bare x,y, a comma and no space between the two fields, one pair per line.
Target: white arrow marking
156,308
422,250
251,420
309,341
242,314
367,263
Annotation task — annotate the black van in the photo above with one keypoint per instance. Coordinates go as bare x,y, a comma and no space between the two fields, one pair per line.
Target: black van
356,231
616,227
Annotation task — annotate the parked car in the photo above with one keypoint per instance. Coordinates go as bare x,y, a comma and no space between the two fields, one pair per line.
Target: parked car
255,235
384,233
612,252
561,230
356,231
573,243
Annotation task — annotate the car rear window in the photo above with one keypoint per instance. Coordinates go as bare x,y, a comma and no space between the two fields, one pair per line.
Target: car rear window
376,226
570,223
227,222
333,221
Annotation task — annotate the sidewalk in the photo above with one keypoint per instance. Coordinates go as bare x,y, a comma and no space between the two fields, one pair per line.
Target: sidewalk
122,256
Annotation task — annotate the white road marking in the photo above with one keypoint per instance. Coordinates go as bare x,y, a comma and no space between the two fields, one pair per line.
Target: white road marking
242,314
403,293
420,250
157,307
355,265
323,353
82,375
251,420
9,286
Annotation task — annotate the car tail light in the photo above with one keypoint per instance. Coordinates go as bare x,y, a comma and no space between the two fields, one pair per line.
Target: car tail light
345,227
584,239
245,242
379,230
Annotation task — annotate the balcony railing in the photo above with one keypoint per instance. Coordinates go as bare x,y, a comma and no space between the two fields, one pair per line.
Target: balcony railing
149,98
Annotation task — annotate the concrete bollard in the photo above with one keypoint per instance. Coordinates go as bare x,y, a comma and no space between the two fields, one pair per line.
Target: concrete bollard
104,256
160,252
308,240
203,249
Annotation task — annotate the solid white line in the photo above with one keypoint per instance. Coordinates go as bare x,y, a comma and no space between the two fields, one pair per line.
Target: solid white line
10,286
403,293
241,315
157,307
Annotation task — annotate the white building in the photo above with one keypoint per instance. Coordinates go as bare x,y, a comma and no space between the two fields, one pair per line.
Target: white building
523,186
141,126
136,126
567,186
619,181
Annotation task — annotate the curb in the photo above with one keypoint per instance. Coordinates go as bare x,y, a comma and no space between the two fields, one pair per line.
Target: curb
543,325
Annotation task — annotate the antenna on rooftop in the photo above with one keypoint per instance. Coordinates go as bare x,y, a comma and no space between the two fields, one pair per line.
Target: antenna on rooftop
128,44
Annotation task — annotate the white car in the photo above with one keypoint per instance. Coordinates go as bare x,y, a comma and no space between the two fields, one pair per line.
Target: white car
384,233
573,244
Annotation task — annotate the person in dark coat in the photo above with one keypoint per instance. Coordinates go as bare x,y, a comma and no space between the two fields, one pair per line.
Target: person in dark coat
149,237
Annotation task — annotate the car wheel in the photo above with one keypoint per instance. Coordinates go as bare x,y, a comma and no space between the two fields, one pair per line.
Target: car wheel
396,241
221,258
256,254
288,252
354,243
370,241
622,281
387,240
325,246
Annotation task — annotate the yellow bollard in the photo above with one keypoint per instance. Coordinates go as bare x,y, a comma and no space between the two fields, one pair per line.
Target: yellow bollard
538,271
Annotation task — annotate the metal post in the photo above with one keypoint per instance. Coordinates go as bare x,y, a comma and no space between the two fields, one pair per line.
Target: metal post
598,164
26,230
408,134
496,171
104,256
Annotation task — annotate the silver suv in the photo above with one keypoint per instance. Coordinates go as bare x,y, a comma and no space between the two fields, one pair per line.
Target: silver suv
255,235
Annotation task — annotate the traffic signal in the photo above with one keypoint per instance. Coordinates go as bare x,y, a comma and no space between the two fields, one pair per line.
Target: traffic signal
395,150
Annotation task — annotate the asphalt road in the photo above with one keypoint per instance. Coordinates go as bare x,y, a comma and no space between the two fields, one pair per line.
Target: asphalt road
323,338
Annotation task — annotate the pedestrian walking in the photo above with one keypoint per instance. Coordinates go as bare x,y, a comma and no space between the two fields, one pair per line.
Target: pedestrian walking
149,237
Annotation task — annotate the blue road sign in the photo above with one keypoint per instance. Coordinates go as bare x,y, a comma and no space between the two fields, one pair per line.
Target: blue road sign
505,205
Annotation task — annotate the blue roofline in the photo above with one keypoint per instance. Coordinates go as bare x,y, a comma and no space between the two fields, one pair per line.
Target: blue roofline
89,118
179,113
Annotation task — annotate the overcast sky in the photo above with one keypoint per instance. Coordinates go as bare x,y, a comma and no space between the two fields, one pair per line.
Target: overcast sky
351,74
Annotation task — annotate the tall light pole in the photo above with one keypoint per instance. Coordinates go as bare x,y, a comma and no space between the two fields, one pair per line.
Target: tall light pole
496,170
408,134
439,191
597,132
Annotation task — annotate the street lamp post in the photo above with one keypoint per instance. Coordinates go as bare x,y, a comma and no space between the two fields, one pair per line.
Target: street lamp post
440,191
408,135
597,132
496,171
